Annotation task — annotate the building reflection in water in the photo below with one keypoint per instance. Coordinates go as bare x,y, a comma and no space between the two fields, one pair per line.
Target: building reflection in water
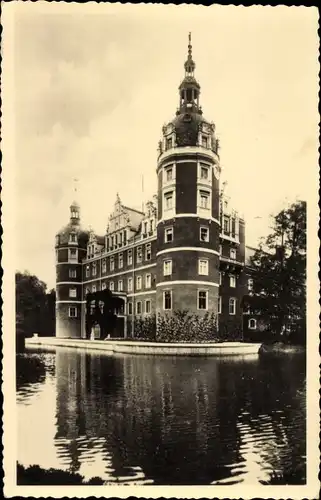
177,420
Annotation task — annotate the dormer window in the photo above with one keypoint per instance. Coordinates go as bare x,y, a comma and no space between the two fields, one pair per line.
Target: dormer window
204,141
73,238
169,142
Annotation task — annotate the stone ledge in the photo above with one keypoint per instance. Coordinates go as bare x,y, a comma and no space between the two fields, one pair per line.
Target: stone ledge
151,348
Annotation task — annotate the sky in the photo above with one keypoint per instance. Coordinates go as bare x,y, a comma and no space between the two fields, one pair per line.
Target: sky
93,87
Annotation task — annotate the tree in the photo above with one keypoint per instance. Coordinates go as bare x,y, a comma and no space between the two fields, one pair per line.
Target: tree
279,272
35,308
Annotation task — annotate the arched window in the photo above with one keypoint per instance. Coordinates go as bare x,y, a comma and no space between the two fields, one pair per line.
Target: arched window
252,324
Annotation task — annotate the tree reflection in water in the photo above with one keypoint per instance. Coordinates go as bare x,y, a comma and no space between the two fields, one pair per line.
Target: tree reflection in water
180,420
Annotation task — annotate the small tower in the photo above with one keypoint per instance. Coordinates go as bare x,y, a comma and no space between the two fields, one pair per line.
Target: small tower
71,244
188,206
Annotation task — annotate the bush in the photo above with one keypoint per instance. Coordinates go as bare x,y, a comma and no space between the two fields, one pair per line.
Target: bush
35,475
182,326
144,328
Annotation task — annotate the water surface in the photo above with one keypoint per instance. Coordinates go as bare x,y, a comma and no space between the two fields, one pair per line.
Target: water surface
162,420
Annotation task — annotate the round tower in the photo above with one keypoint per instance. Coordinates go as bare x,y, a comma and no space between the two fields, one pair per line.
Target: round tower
71,244
188,206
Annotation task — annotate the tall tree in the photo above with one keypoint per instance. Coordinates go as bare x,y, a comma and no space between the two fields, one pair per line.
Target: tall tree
35,308
279,271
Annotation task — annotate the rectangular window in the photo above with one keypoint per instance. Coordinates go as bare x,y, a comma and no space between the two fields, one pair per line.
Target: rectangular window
72,312
250,284
233,224
169,174
72,273
232,281
147,306
138,307
138,282
103,265
169,234
129,257
169,142
94,269
111,286
204,141
203,267
112,263
148,252
219,310
232,306
232,254
205,199
103,286
73,255
120,285
139,255
204,234
220,278
220,249
204,172
72,293
94,289
148,281
202,299
167,267
145,227
167,300
168,199
130,308
130,284
226,225
120,260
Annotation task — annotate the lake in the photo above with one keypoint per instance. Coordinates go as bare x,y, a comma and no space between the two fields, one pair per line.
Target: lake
161,420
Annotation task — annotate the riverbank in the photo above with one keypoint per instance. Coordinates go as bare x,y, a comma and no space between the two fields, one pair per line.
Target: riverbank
149,348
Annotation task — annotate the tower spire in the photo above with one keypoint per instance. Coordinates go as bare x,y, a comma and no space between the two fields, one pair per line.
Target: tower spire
74,207
189,64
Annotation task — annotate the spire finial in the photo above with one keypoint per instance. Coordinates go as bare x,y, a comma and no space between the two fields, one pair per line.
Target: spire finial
75,185
189,44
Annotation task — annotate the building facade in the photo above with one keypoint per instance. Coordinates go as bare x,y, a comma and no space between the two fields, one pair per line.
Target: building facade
186,251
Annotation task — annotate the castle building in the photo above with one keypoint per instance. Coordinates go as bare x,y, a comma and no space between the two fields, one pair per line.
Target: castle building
185,251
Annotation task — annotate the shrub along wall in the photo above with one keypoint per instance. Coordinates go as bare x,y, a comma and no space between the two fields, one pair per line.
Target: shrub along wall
182,326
